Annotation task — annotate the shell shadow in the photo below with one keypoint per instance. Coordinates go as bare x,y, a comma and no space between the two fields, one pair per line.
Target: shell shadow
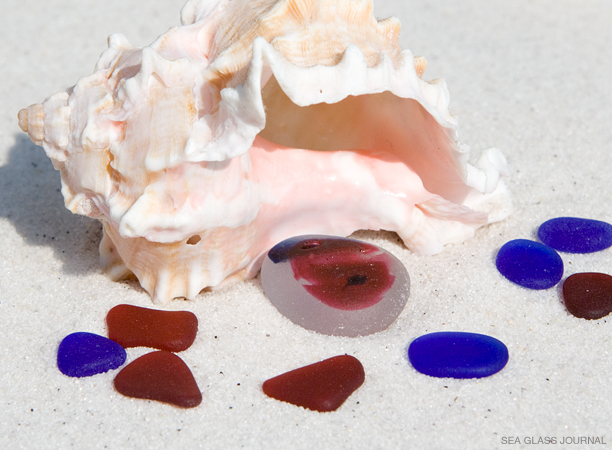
31,200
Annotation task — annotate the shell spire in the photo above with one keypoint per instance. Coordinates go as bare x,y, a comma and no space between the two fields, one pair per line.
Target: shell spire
32,121
48,125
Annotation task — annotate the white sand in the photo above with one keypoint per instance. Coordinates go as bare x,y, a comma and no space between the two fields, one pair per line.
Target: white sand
533,78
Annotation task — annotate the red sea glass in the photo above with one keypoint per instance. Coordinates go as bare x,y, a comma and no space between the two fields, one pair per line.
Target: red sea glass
334,285
323,386
588,295
160,376
342,273
132,326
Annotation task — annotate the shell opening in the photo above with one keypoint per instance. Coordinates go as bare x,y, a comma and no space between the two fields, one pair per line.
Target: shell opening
368,123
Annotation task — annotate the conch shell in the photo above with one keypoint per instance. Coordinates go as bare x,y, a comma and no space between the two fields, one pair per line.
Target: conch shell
254,121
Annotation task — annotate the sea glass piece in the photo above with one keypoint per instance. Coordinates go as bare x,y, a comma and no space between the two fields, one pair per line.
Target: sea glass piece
588,295
86,354
133,326
160,376
530,264
576,235
452,354
323,386
335,286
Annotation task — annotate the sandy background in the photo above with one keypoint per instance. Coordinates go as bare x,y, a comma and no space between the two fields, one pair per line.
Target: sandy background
532,78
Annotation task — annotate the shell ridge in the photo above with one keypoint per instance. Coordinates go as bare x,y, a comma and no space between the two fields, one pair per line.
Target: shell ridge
239,118
56,124
195,10
145,218
117,47
210,140
485,174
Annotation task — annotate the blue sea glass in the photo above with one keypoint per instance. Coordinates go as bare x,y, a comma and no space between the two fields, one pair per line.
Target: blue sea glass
576,235
530,264
87,354
457,355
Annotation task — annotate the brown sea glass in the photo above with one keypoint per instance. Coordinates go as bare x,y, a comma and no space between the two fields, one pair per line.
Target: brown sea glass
323,386
160,376
588,295
133,326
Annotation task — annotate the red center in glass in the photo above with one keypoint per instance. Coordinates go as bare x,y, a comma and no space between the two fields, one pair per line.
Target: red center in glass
342,274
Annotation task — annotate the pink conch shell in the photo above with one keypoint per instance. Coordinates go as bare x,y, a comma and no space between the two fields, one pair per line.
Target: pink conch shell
254,121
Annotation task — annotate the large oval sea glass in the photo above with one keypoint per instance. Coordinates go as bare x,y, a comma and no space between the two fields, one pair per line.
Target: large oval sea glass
529,264
335,286
576,235
453,354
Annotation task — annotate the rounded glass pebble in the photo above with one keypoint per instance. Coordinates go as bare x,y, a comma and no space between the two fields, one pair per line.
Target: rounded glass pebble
576,235
530,264
457,355
133,326
86,354
588,295
335,286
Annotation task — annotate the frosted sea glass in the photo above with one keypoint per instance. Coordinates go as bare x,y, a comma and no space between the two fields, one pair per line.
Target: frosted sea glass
335,286
133,326
86,354
576,235
455,354
322,386
529,264
588,295
160,376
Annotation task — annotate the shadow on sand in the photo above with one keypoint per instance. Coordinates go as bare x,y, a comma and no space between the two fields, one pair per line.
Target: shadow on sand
31,200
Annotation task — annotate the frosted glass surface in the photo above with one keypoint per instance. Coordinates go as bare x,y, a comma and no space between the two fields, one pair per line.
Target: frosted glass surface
335,286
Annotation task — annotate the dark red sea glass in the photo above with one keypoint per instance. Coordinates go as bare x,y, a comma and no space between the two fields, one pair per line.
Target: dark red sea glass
323,386
133,326
160,376
588,295
342,273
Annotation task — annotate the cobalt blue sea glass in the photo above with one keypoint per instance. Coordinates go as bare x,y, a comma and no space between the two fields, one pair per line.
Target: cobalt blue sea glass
575,235
457,355
530,264
87,354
